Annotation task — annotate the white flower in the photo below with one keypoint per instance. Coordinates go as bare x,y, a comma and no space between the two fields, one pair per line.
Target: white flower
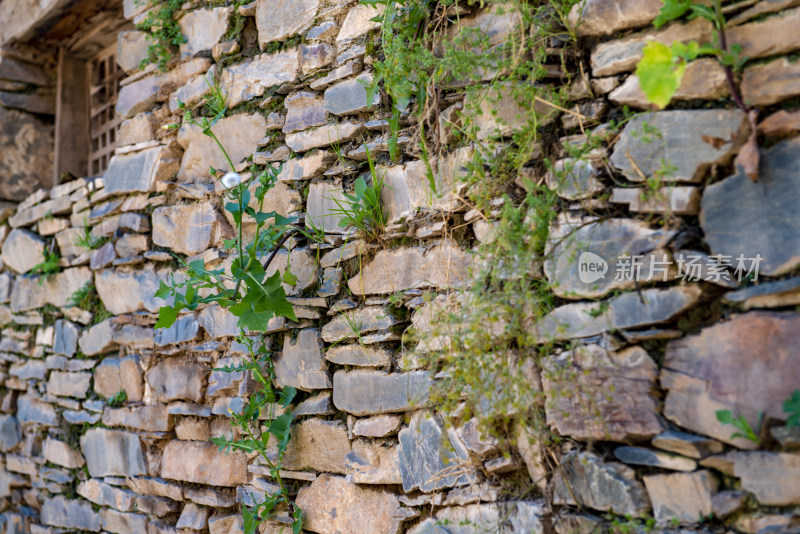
231,179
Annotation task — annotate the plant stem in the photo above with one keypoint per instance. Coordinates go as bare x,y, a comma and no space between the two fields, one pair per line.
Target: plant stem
723,45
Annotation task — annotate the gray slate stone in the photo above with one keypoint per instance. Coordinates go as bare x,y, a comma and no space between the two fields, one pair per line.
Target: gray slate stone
601,241
174,379
70,513
31,410
66,338
585,480
137,172
685,497
10,432
278,19
427,458
740,217
350,96
676,137
352,324
112,453
364,392
301,364
22,250
185,329
651,458
687,444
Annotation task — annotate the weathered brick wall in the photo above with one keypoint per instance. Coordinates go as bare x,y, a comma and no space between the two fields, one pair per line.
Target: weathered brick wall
365,455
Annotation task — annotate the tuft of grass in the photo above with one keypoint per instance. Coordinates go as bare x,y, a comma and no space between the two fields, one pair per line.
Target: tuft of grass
87,240
49,265
362,209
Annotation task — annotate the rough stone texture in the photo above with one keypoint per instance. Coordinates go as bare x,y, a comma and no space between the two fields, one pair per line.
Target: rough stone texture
430,461
444,266
188,228
69,384
22,250
704,79
114,521
332,504
407,187
112,453
140,171
767,295
119,374
352,324
65,338
277,20
577,382
10,432
70,513
522,516
758,206
358,355
104,494
648,457
717,369
174,379
202,463
301,364
359,21
363,392
29,293
769,476
322,206
622,55
250,79
684,496
147,418
679,142
769,83
378,426
605,17
373,464
31,410
318,445
304,110
628,310
203,28
129,291
98,339
350,96
241,133
330,134
585,480
61,454
183,330
608,240
675,200
27,147
687,444
131,50
141,94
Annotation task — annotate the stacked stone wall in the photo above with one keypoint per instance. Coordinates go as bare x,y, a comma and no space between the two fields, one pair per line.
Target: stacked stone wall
106,421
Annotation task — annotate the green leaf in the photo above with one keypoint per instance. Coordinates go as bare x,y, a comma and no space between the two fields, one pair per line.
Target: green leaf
164,291
280,427
671,10
791,407
658,74
167,316
287,395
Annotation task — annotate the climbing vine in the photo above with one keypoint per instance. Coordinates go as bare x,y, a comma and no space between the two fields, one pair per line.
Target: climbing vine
163,32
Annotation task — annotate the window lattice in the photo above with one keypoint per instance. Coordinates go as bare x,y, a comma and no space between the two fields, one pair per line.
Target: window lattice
104,79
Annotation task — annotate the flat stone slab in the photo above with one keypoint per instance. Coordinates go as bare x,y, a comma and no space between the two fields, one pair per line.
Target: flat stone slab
676,138
576,384
715,369
428,459
685,497
742,218
651,458
364,392
585,480
588,259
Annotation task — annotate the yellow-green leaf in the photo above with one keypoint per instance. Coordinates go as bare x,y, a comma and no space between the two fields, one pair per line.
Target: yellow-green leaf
659,74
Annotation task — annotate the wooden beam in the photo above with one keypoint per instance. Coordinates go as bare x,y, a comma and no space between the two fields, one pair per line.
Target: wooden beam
72,117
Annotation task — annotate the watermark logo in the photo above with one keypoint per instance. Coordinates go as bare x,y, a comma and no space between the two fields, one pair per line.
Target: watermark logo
591,267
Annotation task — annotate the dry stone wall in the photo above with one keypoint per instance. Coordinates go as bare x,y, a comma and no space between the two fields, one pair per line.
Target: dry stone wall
106,421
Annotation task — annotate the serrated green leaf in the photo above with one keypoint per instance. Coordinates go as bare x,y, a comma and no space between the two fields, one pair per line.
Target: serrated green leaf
164,291
287,395
659,75
167,316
